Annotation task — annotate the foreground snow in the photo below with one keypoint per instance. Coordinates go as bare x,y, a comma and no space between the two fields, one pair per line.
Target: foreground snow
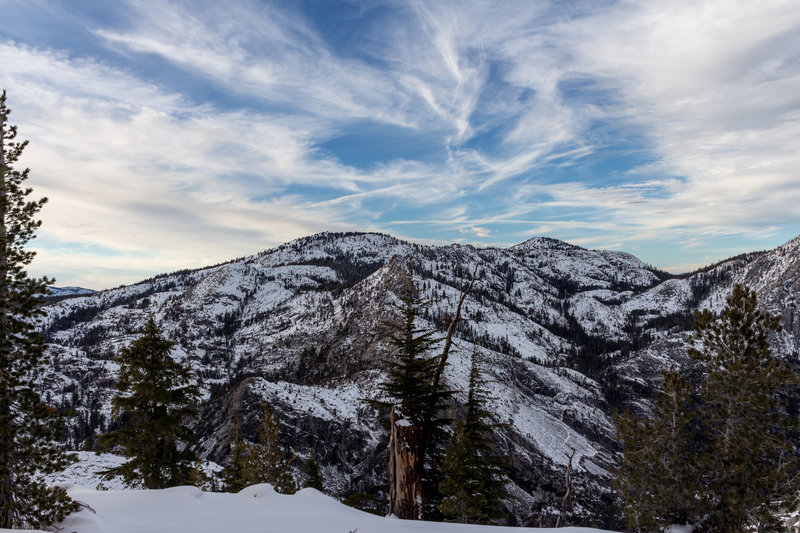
256,509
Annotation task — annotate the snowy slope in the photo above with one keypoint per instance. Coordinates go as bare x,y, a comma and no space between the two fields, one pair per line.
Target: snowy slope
112,508
256,509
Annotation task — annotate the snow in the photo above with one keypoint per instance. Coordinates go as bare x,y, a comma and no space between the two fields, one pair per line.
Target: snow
68,291
327,403
85,471
256,509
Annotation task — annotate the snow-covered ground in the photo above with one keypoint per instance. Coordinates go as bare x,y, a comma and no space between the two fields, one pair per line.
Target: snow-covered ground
256,509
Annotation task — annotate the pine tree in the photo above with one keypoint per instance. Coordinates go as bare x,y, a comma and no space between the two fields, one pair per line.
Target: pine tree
414,406
233,475
314,479
263,462
474,485
656,480
157,397
28,428
724,461
411,368
749,461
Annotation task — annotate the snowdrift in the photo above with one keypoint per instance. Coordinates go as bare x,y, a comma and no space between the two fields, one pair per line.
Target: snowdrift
256,509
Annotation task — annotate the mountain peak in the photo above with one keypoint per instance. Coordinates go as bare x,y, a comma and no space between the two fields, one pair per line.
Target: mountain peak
545,243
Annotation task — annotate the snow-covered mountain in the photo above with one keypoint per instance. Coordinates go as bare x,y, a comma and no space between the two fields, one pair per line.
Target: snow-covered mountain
568,335
63,292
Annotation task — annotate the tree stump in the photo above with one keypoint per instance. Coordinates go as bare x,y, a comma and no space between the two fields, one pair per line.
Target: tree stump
405,485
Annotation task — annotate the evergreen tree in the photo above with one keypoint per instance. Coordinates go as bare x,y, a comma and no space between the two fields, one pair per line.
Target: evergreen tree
233,476
656,480
28,428
314,479
412,392
749,461
726,462
411,367
474,485
264,462
157,396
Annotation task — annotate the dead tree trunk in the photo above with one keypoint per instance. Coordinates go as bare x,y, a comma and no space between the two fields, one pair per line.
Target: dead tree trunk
465,288
430,410
565,501
405,475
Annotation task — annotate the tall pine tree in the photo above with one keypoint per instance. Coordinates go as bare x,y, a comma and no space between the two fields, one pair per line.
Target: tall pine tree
474,485
28,428
722,458
414,403
412,366
655,479
264,462
749,462
157,396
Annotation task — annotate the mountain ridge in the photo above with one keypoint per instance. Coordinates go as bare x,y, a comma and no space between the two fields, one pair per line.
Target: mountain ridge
568,335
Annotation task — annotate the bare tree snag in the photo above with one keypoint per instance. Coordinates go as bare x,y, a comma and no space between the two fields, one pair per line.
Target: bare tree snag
405,485
568,491
465,288
451,327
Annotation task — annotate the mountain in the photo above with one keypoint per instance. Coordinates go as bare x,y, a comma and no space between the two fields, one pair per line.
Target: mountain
66,292
568,336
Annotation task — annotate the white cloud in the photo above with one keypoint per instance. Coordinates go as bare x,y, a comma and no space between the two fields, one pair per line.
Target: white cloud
153,177
709,91
716,88
261,51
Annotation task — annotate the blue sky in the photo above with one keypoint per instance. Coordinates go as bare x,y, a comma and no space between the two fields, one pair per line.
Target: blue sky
171,135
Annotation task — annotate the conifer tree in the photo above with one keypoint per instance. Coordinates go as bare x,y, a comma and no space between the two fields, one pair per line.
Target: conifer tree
749,462
724,462
411,367
28,428
656,480
474,485
414,403
233,476
314,479
157,396
263,462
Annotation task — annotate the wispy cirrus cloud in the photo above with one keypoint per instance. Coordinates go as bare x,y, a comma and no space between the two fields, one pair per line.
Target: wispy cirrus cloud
226,129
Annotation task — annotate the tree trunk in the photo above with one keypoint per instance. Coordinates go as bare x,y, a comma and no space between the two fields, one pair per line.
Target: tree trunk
405,484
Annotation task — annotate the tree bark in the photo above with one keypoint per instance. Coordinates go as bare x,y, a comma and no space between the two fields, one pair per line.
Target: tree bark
405,483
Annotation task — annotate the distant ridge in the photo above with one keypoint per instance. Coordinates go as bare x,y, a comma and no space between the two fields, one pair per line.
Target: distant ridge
64,292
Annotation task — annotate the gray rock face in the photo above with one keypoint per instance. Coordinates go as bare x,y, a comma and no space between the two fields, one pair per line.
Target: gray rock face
567,336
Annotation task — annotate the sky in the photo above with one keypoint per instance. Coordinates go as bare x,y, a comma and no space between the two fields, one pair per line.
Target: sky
171,135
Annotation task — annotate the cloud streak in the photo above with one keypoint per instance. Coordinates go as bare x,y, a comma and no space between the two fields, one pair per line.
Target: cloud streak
195,133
